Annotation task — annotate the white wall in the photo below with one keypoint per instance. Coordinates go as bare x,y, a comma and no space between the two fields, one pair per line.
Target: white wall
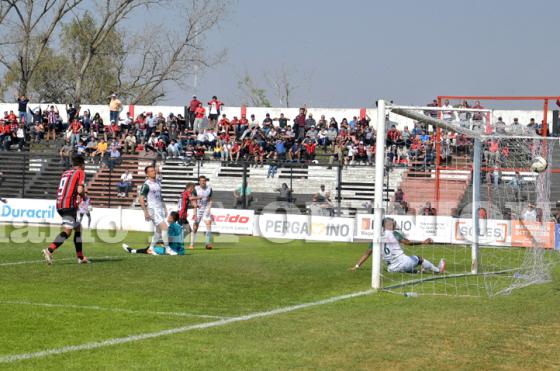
259,112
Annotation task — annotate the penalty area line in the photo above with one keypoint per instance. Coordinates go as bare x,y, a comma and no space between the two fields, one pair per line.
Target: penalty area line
178,330
108,309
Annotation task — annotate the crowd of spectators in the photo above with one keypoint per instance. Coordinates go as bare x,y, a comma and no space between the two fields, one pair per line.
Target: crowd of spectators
207,133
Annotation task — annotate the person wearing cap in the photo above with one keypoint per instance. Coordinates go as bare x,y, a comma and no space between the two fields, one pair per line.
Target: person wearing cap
193,105
394,256
115,107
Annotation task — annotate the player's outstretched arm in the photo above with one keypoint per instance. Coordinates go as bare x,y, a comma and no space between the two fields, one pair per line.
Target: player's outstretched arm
410,243
362,260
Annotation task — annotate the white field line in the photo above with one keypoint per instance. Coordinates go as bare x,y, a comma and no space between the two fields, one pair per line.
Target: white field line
108,309
150,335
57,260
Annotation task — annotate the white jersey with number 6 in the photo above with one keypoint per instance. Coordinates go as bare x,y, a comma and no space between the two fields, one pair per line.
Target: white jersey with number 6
204,196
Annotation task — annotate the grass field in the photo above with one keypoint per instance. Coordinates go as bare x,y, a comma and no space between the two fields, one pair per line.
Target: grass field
239,307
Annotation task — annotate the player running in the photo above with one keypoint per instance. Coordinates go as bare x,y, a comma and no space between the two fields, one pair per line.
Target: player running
154,208
203,195
176,239
394,256
85,208
70,189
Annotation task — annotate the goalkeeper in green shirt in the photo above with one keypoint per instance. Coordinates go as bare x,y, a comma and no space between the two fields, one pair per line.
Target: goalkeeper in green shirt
176,238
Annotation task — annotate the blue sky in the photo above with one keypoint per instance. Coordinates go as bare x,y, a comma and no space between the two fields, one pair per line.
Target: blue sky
350,53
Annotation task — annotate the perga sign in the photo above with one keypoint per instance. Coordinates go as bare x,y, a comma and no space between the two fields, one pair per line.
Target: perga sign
302,227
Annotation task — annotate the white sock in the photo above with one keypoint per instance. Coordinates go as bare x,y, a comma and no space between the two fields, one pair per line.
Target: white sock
155,238
193,237
165,238
426,264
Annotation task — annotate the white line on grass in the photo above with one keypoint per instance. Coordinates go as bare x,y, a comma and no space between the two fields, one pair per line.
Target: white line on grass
57,260
177,330
108,309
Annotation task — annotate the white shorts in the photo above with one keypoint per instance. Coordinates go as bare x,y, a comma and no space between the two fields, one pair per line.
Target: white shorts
406,264
203,214
157,216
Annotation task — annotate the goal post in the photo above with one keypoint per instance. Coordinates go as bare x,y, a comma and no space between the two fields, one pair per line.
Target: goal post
496,183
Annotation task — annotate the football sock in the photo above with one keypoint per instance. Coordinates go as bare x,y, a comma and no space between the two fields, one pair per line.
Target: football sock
165,238
427,265
193,237
155,238
208,237
59,240
78,244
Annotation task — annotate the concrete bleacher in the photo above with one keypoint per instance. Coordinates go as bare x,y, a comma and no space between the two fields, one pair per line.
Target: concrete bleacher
102,188
29,175
357,185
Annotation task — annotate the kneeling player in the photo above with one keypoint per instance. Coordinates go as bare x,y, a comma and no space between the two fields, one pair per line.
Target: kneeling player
176,239
394,256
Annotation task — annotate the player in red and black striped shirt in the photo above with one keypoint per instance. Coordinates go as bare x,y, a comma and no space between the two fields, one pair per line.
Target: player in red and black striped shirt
70,191
186,201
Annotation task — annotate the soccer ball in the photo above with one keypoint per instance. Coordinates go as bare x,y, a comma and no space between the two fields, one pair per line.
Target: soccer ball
539,164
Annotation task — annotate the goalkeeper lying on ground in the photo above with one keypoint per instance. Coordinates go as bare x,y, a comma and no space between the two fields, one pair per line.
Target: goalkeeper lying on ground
394,256
176,238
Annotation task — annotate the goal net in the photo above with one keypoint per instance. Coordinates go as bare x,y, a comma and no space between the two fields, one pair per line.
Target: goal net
472,194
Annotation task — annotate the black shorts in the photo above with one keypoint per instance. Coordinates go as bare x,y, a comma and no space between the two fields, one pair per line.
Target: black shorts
213,116
69,217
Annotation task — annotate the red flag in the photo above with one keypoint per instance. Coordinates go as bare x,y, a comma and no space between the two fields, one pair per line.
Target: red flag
131,110
362,113
243,110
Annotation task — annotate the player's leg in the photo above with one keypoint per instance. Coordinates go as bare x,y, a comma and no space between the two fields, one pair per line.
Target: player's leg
165,237
89,219
78,244
148,250
198,218
208,220
427,265
67,227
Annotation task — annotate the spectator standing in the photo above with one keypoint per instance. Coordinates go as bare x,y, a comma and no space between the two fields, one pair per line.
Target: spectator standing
75,131
214,109
299,123
199,114
115,107
22,108
71,112
193,105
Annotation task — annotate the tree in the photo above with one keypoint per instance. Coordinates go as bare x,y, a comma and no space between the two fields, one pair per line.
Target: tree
163,55
255,95
98,56
27,27
284,83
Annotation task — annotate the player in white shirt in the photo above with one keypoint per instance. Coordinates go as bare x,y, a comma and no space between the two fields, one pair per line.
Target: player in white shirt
85,208
394,256
202,193
154,208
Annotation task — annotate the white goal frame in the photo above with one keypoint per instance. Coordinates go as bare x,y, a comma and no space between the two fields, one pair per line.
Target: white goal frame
379,210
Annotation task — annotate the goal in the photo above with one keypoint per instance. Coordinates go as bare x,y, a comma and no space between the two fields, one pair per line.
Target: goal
470,188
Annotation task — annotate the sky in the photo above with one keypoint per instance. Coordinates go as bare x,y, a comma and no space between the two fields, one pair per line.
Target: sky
350,53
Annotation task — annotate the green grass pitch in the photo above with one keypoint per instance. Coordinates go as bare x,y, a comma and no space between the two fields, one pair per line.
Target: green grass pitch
119,295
